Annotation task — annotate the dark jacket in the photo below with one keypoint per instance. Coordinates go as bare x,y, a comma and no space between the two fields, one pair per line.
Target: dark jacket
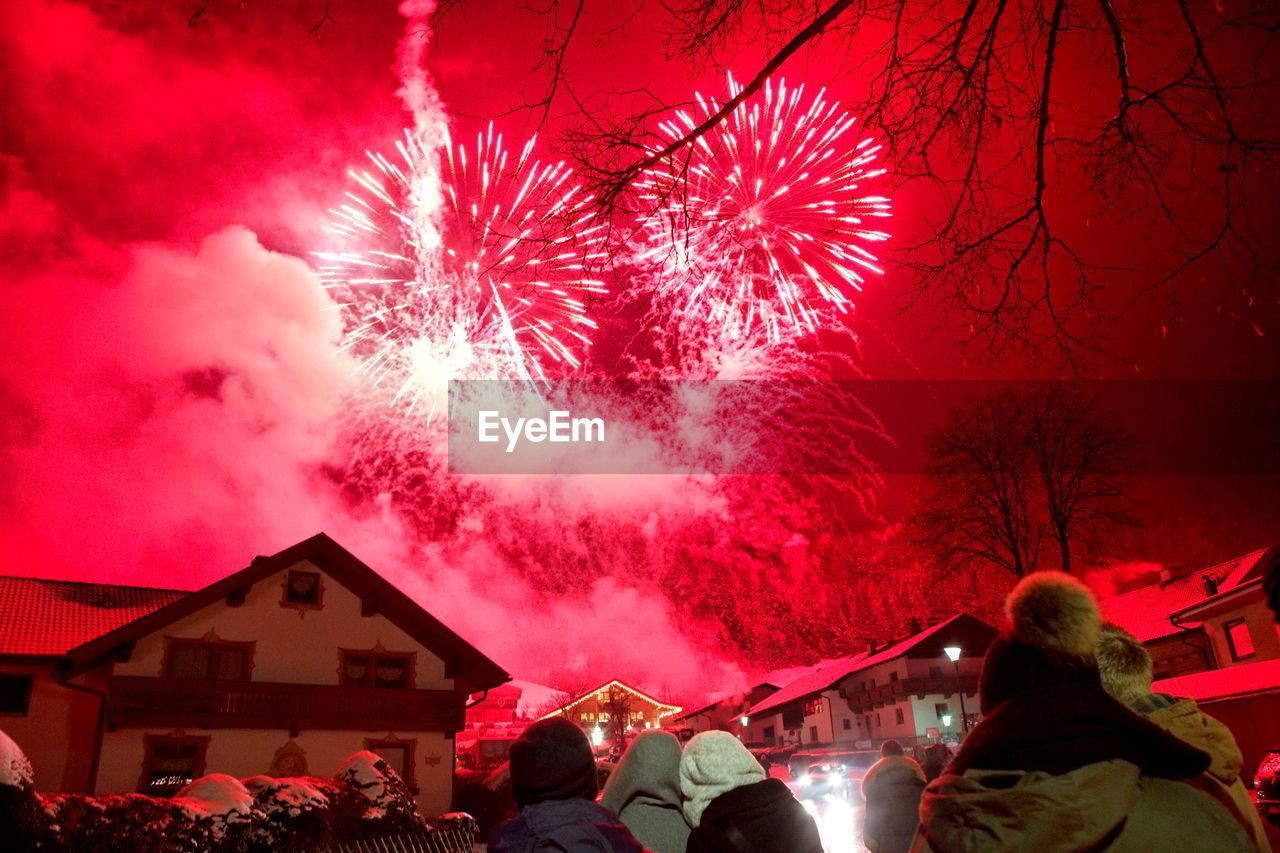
892,789
564,826
762,817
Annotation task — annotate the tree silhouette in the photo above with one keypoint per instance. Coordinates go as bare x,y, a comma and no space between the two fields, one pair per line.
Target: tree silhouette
1018,470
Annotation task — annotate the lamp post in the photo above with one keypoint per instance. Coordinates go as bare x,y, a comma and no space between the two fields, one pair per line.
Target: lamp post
953,652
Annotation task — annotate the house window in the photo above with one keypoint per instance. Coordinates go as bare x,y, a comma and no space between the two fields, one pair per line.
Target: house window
935,672
170,763
768,732
15,694
302,590
813,706
399,757
893,676
898,716
846,724
868,723
376,669
940,709
1239,639
878,723
208,659
813,734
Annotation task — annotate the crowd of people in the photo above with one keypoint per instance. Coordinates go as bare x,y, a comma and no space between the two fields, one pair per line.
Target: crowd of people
1074,752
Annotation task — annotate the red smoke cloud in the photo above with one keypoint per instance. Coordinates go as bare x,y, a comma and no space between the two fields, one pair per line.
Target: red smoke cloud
173,401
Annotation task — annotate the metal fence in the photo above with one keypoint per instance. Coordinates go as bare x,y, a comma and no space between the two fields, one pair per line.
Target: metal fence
455,834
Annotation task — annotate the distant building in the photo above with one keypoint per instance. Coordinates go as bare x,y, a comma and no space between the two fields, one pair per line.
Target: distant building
590,709
1212,638
284,668
909,690
727,712
1192,621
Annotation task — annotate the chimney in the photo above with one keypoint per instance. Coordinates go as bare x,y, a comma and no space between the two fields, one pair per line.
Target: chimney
1210,586
871,645
1171,573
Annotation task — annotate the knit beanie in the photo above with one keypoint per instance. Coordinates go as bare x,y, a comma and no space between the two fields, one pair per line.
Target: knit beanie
712,764
1053,625
552,760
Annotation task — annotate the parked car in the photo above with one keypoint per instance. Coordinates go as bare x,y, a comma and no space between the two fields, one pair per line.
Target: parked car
1266,787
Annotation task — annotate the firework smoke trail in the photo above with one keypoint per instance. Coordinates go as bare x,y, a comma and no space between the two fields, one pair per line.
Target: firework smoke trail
763,221
473,262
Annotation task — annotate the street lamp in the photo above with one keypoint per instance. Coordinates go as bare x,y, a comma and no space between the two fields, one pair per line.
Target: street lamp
946,721
597,736
953,652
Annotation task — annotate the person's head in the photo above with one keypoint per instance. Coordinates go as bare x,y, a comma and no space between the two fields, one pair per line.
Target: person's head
713,763
552,760
1052,631
890,747
650,766
1123,664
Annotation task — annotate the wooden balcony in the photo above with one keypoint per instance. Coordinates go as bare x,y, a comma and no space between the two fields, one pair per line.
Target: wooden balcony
199,703
893,692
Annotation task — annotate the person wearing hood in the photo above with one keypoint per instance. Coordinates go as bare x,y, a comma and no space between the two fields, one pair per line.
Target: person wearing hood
891,790
644,792
553,777
1057,764
733,807
1126,671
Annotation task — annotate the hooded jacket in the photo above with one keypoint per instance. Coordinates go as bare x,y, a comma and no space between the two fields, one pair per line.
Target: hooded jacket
1222,781
564,826
892,789
733,808
1066,769
1107,805
762,817
644,792
714,763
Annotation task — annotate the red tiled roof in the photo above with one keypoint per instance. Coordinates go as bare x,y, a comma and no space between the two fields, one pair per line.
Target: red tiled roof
1145,612
48,617
1241,680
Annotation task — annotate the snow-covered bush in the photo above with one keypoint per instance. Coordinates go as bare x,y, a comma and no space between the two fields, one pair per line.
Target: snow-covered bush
365,800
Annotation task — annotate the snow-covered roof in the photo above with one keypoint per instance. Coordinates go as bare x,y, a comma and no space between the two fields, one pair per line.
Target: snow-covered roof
817,678
830,673
533,697
664,710
1145,612
1244,679
51,617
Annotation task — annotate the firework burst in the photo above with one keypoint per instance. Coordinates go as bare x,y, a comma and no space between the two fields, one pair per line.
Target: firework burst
466,262
764,222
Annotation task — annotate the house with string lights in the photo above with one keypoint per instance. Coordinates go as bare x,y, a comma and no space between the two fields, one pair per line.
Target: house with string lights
597,710
284,668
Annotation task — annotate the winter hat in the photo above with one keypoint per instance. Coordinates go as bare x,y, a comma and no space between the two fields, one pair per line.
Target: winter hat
714,763
1050,639
1123,664
552,760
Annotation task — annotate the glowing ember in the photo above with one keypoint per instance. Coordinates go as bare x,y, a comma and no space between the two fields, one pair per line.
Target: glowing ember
765,218
467,263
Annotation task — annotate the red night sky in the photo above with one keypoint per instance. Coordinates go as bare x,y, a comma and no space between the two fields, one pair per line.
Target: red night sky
171,404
